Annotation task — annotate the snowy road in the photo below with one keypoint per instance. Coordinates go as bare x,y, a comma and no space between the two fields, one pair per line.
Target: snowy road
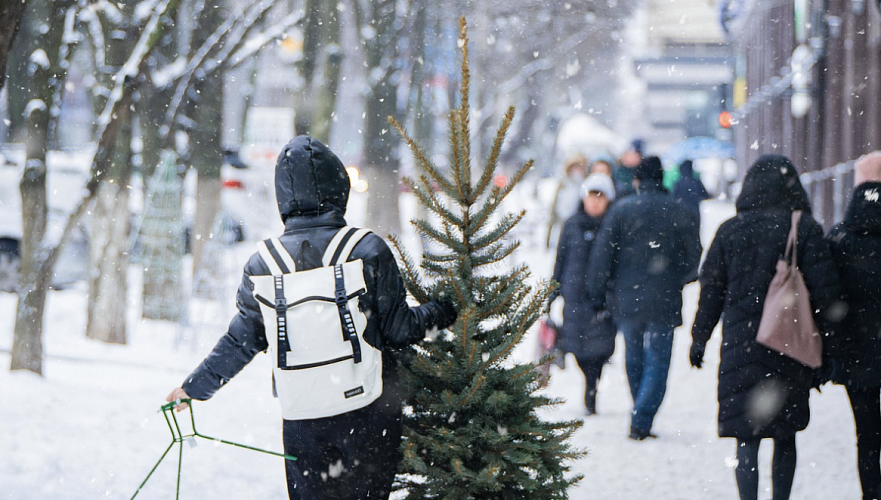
89,428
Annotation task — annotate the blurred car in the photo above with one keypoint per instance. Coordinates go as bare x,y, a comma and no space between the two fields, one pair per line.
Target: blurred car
64,174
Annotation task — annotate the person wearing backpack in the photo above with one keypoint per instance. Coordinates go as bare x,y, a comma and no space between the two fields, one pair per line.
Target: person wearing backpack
762,393
856,249
328,303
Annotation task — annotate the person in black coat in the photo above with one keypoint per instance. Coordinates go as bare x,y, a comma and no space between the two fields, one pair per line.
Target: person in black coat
353,455
689,190
647,251
762,393
856,248
589,336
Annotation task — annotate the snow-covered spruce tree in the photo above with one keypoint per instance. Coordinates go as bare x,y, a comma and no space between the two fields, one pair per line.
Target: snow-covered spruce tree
474,432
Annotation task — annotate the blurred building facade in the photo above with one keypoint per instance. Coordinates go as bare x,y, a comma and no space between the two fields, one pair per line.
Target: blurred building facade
808,85
686,66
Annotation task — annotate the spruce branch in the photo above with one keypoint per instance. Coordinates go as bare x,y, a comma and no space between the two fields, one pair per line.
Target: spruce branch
495,253
495,151
501,230
464,106
433,234
421,157
411,273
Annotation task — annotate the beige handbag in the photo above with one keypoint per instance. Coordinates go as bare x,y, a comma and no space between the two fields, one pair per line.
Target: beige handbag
787,324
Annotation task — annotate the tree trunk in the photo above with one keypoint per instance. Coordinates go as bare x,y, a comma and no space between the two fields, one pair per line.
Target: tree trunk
304,105
325,101
10,19
380,144
27,344
18,80
206,108
108,263
46,75
207,208
108,249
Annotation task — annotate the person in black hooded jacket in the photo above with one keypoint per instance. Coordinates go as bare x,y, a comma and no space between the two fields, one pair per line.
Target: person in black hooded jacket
689,190
353,455
856,248
762,393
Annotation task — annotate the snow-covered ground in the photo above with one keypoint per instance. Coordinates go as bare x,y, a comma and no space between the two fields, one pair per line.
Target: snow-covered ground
89,428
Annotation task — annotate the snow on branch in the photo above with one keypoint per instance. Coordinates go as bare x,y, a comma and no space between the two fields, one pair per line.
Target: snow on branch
257,42
233,29
118,99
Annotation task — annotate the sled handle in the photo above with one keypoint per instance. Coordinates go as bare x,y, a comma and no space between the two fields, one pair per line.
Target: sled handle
178,437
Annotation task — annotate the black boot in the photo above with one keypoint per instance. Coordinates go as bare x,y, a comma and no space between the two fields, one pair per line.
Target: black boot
590,401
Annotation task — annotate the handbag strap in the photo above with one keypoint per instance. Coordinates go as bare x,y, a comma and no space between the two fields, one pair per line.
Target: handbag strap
791,253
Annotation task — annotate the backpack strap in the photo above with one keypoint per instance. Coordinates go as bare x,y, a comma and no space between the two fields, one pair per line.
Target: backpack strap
281,308
342,244
276,257
346,321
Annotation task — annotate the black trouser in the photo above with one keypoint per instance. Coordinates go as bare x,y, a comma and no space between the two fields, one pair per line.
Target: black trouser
866,404
782,468
352,456
592,368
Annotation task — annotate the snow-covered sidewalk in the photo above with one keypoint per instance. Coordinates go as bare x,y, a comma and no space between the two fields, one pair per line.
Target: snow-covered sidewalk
89,428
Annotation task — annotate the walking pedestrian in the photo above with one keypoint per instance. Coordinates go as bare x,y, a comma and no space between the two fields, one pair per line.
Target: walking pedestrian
648,249
856,247
762,393
354,454
589,336
626,168
689,190
567,196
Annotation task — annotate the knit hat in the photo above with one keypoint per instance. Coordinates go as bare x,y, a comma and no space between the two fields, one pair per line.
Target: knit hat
600,183
867,168
650,169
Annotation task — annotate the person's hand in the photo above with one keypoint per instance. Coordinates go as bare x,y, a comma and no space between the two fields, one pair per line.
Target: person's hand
177,394
696,355
555,311
446,314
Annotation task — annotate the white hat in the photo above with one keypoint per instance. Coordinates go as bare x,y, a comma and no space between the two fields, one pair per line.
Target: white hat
600,183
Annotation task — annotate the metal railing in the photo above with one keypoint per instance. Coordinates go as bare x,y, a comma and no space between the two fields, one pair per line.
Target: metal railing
837,178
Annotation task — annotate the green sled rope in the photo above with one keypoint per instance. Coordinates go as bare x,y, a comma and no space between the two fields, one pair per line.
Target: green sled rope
178,437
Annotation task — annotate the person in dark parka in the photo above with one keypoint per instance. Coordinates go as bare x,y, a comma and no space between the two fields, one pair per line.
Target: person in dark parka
762,393
588,336
856,248
648,249
353,455
689,190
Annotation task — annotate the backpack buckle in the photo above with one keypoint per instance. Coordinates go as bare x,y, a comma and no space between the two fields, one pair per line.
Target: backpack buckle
280,306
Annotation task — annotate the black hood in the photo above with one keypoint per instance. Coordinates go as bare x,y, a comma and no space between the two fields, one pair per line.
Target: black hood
686,168
309,179
864,211
772,182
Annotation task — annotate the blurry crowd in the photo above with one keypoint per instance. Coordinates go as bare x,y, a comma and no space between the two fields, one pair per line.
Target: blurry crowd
626,245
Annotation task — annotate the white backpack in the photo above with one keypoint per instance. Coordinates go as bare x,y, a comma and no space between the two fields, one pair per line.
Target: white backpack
321,363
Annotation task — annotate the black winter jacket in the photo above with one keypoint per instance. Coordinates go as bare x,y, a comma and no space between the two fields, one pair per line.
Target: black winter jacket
570,270
312,190
689,190
761,393
856,248
648,249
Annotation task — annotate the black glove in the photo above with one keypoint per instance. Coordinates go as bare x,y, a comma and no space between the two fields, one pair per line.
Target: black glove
824,373
696,354
551,298
446,314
